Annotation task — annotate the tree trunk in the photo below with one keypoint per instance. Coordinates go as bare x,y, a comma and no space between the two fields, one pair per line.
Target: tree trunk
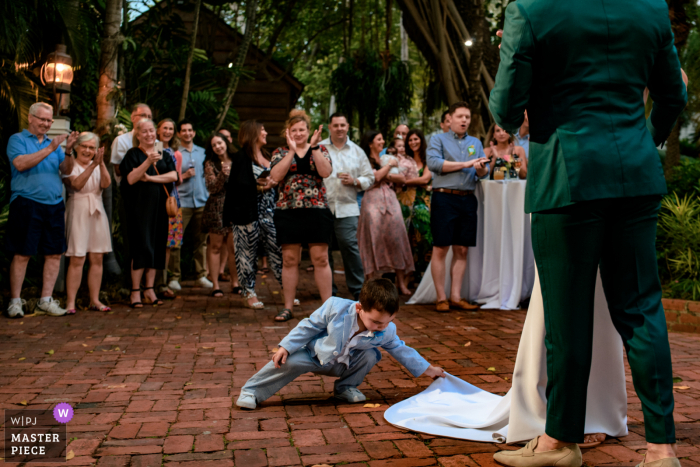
250,15
106,108
673,150
109,54
190,56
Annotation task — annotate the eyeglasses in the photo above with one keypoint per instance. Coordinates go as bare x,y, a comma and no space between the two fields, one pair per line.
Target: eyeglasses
43,120
88,148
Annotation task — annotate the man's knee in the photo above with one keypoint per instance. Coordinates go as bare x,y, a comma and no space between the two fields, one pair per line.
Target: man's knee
440,252
460,251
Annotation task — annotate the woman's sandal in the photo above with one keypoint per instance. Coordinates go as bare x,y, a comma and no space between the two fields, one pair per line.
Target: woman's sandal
237,290
593,443
169,294
136,304
257,305
218,293
284,315
98,308
148,301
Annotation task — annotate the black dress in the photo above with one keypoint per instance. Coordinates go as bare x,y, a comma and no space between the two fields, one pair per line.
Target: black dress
147,219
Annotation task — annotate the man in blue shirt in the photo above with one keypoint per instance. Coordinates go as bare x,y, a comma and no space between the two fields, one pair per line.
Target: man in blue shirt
457,161
193,197
36,223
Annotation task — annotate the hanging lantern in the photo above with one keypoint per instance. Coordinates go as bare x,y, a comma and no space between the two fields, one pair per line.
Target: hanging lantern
57,72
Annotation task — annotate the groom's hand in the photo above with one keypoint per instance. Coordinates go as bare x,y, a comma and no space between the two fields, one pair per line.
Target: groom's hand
434,372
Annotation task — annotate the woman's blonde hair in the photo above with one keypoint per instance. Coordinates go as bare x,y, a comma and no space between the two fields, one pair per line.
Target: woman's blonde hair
137,129
296,116
174,143
492,130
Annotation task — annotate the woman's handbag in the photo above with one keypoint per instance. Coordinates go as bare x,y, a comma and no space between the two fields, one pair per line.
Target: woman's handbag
171,202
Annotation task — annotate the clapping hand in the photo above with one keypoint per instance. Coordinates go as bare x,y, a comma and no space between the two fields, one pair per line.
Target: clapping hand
99,157
72,138
317,136
291,144
56,142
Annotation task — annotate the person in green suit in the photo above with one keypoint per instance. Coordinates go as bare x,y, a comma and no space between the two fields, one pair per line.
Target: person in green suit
595,182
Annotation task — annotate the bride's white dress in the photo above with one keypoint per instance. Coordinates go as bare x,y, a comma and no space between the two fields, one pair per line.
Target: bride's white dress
454,408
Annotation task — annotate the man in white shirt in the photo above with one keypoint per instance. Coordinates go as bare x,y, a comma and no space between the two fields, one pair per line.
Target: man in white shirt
123,143
352,173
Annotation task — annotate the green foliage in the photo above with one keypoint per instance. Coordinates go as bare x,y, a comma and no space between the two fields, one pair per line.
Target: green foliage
679,245
685,178
376,89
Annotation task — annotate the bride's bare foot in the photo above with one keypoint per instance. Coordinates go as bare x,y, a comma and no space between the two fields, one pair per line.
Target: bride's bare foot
594,438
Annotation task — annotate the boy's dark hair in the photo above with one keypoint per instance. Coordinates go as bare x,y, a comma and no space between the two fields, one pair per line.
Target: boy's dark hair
459,105
380,295
184,121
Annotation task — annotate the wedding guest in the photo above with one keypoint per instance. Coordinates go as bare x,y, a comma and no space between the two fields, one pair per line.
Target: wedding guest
381,233
414,197
445,121
87,226
253,194
400,132
457,161
522,137
502,145
120,146
217,169
147,180
36,222
193,197
302,214
165,133
352,173
223,258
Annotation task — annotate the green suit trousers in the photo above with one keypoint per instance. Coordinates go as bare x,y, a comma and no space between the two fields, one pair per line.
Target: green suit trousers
570,243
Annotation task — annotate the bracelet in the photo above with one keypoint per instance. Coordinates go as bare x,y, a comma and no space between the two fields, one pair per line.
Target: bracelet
315,147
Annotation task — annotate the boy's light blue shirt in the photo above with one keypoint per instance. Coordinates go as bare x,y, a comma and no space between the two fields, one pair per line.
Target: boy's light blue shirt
329,329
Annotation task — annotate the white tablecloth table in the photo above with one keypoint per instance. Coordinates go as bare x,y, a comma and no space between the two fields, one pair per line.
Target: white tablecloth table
501,268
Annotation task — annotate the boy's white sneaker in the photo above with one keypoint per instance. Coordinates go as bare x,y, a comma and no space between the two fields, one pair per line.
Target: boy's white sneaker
205,283
174,286
247,401
15,310
51,308
351,395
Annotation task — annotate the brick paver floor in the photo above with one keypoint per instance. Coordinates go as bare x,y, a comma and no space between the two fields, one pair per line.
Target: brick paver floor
156,386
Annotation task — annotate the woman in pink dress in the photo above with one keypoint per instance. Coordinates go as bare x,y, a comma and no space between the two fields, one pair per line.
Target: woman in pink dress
381,233
87,227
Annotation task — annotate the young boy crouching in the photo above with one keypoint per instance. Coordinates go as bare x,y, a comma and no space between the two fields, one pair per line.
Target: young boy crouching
342,338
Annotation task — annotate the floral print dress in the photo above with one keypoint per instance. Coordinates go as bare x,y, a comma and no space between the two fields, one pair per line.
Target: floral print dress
415,207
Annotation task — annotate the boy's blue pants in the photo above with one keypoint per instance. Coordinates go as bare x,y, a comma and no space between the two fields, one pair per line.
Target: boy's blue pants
269,380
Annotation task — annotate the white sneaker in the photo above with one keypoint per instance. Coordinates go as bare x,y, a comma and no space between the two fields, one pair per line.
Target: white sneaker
50,308
351,395
174,286
205,283
247,401
15,310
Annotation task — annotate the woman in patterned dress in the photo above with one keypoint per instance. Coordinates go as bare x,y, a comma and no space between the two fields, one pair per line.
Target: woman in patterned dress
302,214
381,234
249,236
217,167
414,197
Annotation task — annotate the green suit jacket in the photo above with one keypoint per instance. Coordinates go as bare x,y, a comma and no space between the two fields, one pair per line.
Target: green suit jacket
579,68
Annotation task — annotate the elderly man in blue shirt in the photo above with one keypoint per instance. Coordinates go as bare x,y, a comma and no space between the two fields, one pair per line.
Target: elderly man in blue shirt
193,197
36,223
457,161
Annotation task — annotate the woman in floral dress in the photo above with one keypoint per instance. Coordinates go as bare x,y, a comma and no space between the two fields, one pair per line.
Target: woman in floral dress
414,197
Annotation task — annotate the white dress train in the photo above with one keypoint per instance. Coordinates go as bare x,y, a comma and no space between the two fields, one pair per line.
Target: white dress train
454,408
